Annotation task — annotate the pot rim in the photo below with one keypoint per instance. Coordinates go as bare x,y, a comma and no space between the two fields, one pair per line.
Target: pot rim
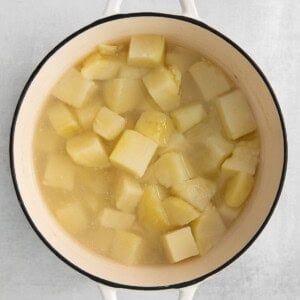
15,118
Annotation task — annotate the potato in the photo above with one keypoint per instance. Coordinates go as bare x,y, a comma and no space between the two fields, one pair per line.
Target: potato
217,149
179,212
128,193
62,120
235,114
115,219
133,153
47,141
181,57
106,49
108,124
180,244
197,191
151,214
164,88
87,113
74,89
238,189
87,150
146,50
228,214
244,159
155,125
188,116
126,248
177,143
211,80
171,169
59,172
132,72
208,229
93,202
72,217
123,94
96,67
190,91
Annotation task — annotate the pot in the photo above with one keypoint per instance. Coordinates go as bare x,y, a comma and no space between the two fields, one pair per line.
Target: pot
184,30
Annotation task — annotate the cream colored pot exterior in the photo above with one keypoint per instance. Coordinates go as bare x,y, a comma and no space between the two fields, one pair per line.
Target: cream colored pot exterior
189,33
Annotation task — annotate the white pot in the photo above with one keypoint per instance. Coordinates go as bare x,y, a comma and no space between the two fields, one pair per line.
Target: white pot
243,71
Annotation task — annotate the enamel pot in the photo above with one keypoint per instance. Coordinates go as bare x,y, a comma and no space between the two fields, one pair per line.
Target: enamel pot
186,30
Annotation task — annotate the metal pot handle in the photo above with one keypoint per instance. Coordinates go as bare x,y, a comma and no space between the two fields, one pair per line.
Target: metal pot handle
110,293
188,8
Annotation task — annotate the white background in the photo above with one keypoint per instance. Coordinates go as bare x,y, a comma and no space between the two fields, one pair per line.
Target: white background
268,30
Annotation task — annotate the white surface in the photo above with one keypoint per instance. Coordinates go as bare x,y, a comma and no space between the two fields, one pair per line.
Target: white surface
268,30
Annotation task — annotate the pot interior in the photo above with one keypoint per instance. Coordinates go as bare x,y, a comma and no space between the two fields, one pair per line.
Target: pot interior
241,71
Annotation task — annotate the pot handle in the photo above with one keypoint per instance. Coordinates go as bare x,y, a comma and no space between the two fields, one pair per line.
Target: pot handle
110,293
188,8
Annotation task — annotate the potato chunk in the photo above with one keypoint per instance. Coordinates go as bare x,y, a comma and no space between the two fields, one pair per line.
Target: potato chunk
132,72
126,248
238,189
155,125
74,89
177,143
87,150
180,244
115,219
228,214
197,191
88,112
188,116
96,67
133,152
171,169
208,229
235,114
128,193
211,80
123,94
146,50
72,217
151,213
179,211
62,120
164,88
244,159
108,124
59,172
106,49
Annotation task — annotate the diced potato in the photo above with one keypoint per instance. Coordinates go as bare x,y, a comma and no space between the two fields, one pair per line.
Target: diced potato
208,229
87,150
48,141
188,116
163,87
128,193
151,213
62,120
211,80
87,113
228,214
181,57
59,172
115,219
180,244
244,159
106,49
146,50
72,217
96,67
218,148
123,94
108,124
177,143
126,248
171,169
238,189
155,125
190,91
132,72
179,211
74,89
235,114
198,191
133,153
